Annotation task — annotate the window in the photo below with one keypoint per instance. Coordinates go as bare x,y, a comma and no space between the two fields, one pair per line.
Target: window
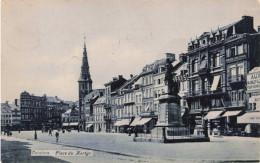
195,84
240,70
241,96
233,71
254,106
184,103
232,52
155,94
240,49
159,82
216,60
195,65
234,96
155,107
163,91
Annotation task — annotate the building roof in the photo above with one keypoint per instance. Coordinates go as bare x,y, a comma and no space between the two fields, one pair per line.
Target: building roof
94,93
130,81
13,107
54,99
100,100
256,69
153,67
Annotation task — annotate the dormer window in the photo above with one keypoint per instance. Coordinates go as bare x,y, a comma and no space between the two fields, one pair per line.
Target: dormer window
195,65
218,35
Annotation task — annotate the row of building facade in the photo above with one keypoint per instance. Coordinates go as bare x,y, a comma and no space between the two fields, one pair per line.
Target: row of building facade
35,112
212,78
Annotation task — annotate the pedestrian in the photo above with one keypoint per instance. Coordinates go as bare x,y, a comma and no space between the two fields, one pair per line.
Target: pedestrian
57,136
50,132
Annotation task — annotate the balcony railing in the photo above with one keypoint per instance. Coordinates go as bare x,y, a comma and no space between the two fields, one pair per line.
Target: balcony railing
107,106
236,78
107,117
203,92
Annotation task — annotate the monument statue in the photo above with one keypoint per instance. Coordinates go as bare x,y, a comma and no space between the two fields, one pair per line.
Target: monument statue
172,86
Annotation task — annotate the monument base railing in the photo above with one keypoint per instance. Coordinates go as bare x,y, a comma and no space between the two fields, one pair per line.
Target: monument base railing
171,135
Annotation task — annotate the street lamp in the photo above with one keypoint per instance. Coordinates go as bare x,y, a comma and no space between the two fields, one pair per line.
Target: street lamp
129,131
34,120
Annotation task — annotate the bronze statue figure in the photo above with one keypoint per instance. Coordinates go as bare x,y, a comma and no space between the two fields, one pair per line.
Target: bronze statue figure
172,86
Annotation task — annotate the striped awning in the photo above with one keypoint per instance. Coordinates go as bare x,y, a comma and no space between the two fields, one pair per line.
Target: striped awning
213,115
231,113
136,120
143,121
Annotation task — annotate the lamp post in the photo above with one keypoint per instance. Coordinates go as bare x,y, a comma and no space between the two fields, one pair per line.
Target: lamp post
34,119
129,131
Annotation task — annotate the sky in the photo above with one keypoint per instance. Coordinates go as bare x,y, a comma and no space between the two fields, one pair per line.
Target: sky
42,40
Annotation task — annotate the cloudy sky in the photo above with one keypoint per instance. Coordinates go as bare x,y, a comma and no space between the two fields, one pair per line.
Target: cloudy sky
42,40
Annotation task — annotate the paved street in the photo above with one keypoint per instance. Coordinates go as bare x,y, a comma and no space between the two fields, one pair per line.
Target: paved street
235,148
220,148
20,152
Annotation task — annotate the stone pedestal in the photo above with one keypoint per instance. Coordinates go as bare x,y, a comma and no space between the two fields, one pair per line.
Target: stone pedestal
170,111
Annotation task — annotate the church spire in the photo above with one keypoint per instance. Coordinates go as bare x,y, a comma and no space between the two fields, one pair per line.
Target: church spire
84,82
85,49
85,74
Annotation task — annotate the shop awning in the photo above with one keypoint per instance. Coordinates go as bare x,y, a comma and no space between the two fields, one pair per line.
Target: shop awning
89,125
123,122
74,124
213,115
231,113
253,117
215,83
65,124
136,120
143,121
117,123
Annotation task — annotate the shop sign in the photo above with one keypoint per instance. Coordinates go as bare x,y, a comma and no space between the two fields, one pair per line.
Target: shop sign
253,81
180,78
216,121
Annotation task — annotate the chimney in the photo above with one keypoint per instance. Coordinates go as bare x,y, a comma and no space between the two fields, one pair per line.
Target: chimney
15,102
248,24
114,78
258,29
120,76
182,58
171,56
6,102
131,76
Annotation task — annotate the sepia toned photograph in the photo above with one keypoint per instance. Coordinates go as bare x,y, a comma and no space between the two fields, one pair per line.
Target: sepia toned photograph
111,81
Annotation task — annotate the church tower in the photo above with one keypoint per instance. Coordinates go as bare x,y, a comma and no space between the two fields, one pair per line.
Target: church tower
85,82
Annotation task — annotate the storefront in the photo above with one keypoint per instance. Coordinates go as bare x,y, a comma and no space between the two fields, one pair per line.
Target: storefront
122,125
230,118
89,127
250,123
215,122
253,89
